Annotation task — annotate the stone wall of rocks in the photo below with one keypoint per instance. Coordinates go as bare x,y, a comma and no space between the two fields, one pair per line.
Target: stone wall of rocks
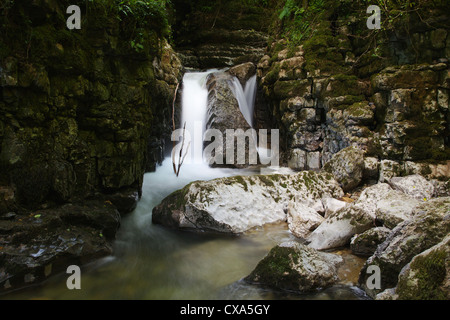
326,95
84,114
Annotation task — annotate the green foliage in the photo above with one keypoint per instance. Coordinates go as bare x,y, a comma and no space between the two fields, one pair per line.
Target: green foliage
138,18
300,19
141,25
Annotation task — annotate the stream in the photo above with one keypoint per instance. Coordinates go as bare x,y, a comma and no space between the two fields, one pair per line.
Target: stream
151,262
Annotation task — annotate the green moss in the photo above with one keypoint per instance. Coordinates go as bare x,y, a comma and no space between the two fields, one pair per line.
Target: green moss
240,180
287,89
272,75
429,273
178,198
276,270
266,180
359,109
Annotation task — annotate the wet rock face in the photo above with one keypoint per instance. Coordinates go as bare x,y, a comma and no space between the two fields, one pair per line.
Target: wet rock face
325,95
296,267
70,235
224,114
84,116
224,48
217,34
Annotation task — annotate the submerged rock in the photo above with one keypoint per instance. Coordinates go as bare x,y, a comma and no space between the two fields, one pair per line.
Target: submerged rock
294,266
429,226
237,204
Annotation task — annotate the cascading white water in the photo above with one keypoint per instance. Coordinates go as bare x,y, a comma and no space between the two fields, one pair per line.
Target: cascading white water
194,107
250,95
245,97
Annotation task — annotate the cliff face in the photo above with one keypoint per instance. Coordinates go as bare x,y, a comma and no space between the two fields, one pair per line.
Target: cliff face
83,111
217,34
339,84
83,115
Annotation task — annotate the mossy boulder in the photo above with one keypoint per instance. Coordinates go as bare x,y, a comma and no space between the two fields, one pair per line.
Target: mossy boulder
366,244
427,277
430,226
295,267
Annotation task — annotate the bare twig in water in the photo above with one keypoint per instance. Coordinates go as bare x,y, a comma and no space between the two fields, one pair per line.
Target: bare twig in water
174,127
181,157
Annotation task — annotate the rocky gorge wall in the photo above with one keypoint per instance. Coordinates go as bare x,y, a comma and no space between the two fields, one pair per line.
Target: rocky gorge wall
84,114
218,34
336,88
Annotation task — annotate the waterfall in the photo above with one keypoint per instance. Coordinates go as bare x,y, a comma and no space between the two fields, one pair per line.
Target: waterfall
194,108
250,96
245,97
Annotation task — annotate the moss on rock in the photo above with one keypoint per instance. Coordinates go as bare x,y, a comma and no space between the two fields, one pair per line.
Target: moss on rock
427,276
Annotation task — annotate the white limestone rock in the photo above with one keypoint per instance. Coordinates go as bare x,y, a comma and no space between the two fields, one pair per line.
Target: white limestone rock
415,185
302,220
237,204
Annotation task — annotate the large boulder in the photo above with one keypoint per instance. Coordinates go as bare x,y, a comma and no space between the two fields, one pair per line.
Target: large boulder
295,267
415,185
395,208
337,230
347,166
376,204
427,277
429,226
237,204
